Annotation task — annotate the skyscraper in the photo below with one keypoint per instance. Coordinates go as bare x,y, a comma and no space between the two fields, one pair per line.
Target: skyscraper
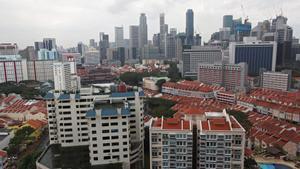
134,36
143,31
162,34
227,21
103,45
49,43
133,41
119,36
189,28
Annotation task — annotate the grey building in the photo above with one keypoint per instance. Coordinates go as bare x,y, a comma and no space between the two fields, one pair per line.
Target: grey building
119,37
143,31
198,54
227,21
189,27
49,43
133,41
103,45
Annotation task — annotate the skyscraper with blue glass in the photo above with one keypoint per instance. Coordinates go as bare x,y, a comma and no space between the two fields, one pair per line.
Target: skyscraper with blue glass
255,53
189,29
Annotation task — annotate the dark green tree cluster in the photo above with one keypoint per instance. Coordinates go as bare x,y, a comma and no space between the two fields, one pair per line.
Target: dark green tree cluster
158,107
159,83
242,118
28,162
20,137
136,79
25,89
173,72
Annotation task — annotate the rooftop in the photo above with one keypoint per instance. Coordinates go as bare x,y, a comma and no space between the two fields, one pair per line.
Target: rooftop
171,124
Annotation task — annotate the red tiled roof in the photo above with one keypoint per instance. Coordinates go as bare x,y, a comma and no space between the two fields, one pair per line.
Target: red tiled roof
171,124
36,124
3,153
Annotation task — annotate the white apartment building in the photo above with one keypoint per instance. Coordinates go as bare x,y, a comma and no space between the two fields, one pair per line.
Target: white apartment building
221,142
92,57
111,124
171,143
40,70
62,76
276,80
11,70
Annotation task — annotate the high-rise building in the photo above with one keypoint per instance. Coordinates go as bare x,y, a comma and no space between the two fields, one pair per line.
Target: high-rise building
241,29
180,41
162,34
119,37
133,41
276,80
28,53
230,76
256,54
80,48
170,46
189,27
110,124
221,141
38,46
198,54
62,76
92,57
11,70
150,52
171,143
9,49
39,70
103,45
143,31
156,40
227,21
71,57
45,54
197,40
49,43
173,31
93,43
218,140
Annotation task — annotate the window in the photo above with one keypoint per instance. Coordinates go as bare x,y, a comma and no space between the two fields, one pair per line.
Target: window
124,149
125,155
115,144
124,143
124,123
124,136
106,158
105,124
93,125
114,123
94,138
105,144
114,137
105,138
115,150
94,145
95,152
94,132
95,158
106,151
105,131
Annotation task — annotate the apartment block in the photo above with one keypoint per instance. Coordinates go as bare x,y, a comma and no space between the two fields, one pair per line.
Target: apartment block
110,124
230,76
276,80
171,143
221,142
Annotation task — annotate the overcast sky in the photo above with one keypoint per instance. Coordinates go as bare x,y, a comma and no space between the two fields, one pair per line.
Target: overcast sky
71,21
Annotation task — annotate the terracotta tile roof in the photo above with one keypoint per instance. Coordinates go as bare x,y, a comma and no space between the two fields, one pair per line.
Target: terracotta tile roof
171,124
36,124
3,153
192,86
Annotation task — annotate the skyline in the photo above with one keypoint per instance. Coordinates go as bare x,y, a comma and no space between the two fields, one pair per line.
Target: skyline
73,21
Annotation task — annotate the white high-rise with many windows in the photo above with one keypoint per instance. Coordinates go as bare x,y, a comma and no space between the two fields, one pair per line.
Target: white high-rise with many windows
110,124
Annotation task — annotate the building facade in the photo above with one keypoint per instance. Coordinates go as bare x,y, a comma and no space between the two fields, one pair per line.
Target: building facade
143,31
192,57
189,27
230,76
110,124
62,76
171,143
256,54
276,80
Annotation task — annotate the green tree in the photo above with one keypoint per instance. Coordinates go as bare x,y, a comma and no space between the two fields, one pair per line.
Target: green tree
242,118
159,83
173,72
21,135
28,162
158,107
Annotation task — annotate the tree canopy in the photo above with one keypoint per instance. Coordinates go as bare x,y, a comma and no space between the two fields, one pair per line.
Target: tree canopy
22,88
158,107
242,118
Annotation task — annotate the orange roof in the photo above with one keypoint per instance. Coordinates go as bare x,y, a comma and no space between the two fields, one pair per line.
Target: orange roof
36,123
3,153
171,124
